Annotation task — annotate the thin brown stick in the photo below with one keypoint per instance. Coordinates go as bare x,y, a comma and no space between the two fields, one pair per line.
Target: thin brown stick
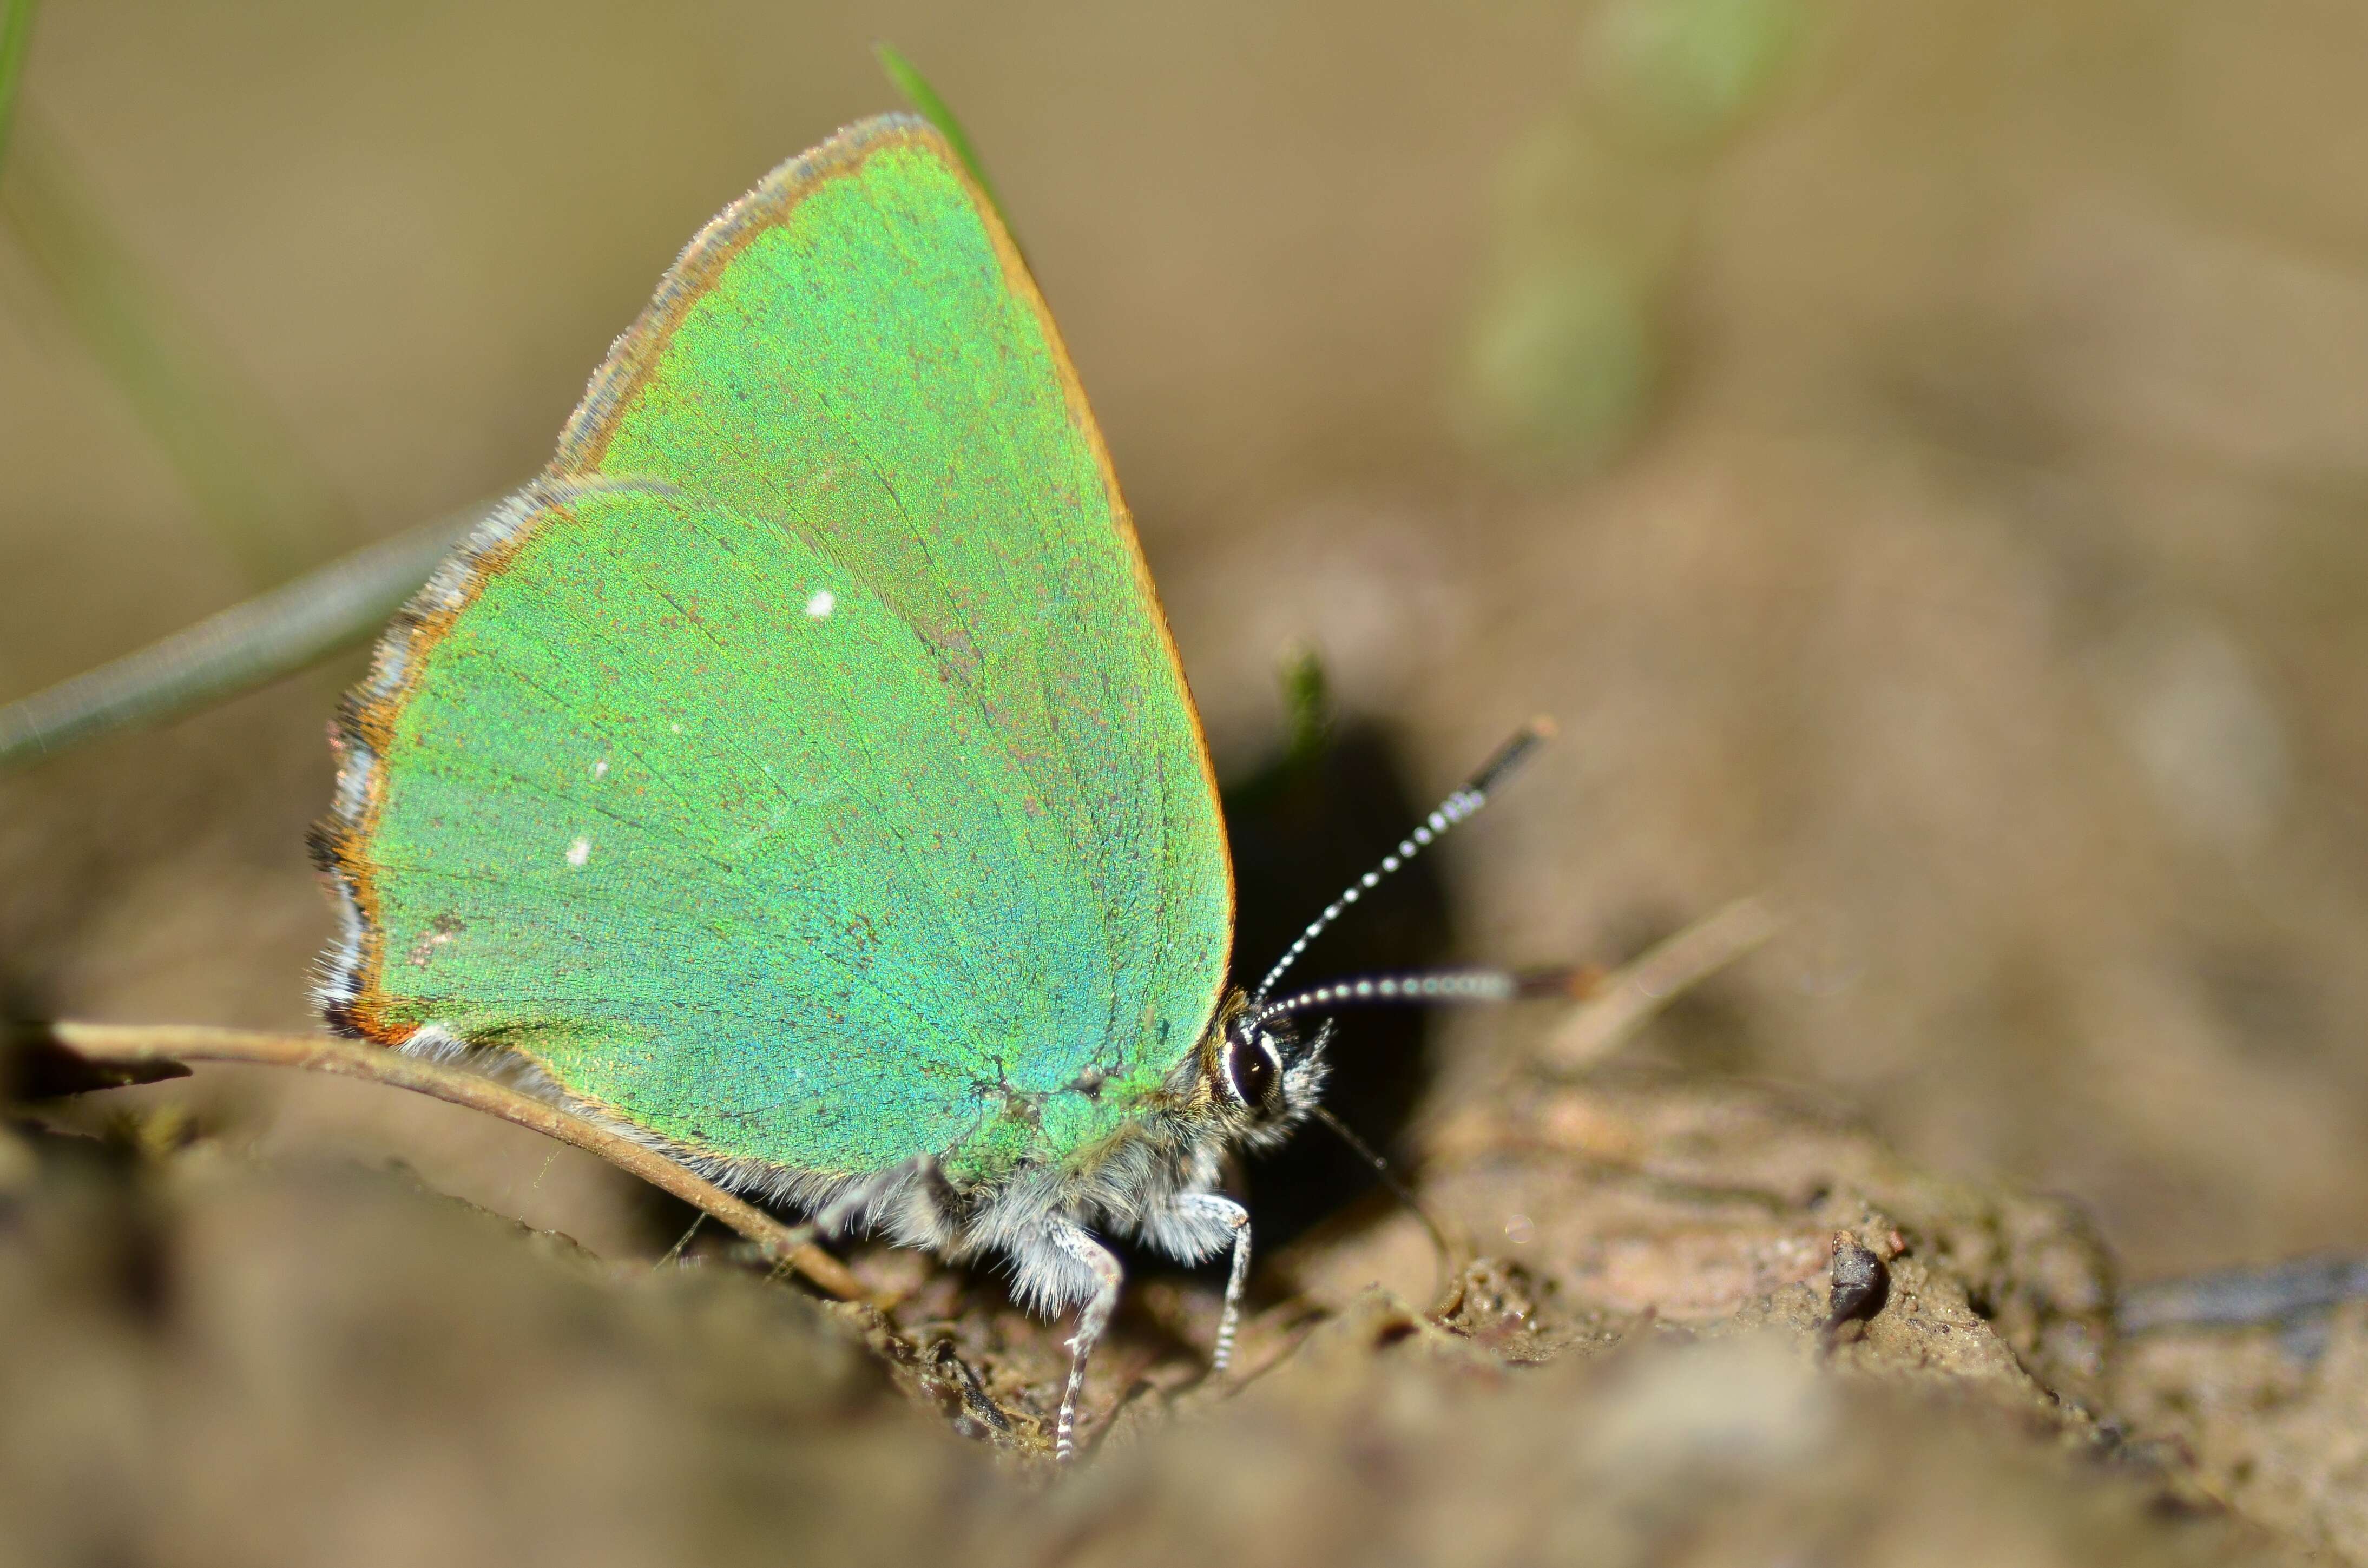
153,1045
1627,998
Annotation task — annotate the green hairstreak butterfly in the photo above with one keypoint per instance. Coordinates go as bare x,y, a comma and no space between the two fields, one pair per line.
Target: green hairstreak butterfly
798,777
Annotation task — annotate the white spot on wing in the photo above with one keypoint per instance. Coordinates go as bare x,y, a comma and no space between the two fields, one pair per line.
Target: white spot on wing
580,852
600,769
821,604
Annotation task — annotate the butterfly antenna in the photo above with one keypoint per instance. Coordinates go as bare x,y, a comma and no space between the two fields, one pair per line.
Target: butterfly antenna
1466,801
1435,987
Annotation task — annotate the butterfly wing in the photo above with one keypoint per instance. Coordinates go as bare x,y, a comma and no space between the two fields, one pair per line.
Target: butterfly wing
802,769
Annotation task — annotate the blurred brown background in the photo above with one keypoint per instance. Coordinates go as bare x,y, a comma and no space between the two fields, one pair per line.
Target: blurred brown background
1919,453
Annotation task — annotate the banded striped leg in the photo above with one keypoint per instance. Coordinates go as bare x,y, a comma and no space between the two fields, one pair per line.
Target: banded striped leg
1092,1318
1234,1217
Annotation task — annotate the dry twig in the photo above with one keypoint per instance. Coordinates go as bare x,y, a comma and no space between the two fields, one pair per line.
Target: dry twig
133,1052
1626,999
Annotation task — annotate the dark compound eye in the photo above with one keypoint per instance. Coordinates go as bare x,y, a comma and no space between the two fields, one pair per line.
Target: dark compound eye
1250,1065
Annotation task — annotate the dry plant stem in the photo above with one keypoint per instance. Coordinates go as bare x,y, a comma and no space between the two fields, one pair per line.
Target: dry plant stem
131,1044
1628,997
2281,1292
275,634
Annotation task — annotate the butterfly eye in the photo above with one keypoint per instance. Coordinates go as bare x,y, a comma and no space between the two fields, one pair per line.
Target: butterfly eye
1251,1069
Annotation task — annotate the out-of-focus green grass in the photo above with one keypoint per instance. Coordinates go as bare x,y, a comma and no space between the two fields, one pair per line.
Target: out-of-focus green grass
267,508
1566,351
267,505
16,43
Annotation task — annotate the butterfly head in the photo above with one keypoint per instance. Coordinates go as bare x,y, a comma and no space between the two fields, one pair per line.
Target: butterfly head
1263,1075
1260,1073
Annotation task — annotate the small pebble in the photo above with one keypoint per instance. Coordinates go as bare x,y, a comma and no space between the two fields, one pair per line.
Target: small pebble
1861,1285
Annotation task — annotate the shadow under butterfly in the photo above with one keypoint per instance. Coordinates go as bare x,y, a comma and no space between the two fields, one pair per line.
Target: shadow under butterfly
1305,827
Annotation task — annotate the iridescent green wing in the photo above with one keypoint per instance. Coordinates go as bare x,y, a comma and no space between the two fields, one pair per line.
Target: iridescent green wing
801,771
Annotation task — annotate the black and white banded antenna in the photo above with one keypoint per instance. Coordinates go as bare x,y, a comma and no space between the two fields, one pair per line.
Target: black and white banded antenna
1452,986
1435,987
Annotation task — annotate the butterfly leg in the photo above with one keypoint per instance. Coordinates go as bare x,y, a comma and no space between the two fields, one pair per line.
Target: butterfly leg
1216,1212
1092,1318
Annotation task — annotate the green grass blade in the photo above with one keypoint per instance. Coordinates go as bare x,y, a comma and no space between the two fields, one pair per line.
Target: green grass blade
262,501
1306,706
933,108
15,43
244,646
